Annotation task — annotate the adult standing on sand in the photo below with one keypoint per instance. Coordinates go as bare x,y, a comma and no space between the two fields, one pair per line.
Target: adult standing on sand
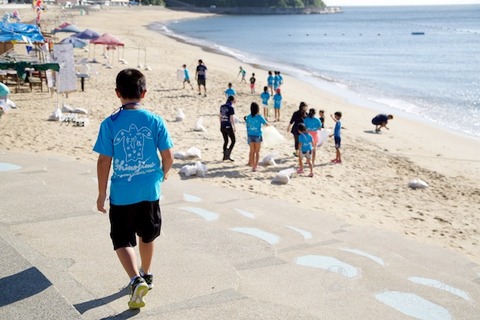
297,118
227,126
201,76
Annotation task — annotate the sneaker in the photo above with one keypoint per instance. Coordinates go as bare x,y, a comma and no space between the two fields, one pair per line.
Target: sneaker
149,280
147,277
138,289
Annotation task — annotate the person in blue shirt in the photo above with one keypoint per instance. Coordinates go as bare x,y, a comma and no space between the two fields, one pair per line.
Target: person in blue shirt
227,127
230,91
254,122
276,81
265,97
305,142
313,124
280,79
129,142
277,103
243,73
270,82
186,77
337,137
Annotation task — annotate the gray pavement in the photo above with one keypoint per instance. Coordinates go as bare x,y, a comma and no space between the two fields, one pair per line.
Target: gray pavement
223,254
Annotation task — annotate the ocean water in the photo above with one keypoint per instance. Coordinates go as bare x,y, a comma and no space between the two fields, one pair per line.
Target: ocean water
367,54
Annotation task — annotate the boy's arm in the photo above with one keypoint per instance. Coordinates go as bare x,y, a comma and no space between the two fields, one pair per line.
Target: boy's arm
167,161
331,116
103,171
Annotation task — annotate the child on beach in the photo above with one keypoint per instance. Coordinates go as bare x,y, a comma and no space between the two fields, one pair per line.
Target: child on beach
280,79
380,121
321,116
313,124
201,76
252,83
337,137
265,97
130,139
277,103
270,82
276,81
295,120
186,77
254,122
230,91
305,142
243,73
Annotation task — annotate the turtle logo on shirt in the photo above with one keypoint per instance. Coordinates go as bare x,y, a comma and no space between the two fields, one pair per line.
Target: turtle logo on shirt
133,141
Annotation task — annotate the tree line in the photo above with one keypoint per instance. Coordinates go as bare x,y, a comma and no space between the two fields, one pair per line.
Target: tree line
257,3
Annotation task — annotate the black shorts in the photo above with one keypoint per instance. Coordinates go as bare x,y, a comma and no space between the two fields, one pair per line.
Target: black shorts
142,218
201,82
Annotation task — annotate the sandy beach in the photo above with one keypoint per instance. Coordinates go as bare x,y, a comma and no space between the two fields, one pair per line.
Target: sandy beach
370,187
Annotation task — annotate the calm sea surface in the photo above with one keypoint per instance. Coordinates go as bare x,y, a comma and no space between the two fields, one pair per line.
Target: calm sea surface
368,54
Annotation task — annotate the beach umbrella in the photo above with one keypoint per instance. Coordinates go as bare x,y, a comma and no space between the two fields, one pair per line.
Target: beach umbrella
87,34
77,43
66,27
107,40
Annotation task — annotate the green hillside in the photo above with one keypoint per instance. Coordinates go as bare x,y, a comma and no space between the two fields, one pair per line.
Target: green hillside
257,3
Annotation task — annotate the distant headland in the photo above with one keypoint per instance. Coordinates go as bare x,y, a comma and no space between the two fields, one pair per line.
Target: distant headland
256,7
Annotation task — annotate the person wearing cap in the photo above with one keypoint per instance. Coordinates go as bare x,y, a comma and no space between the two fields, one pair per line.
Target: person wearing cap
277,104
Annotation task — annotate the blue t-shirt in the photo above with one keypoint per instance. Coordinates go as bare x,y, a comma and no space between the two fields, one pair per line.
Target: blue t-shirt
306,140
270,80
186,75
132,140
254,125
265,96
226,111
230,92
280,80
276,81
336,131
312,124
277,101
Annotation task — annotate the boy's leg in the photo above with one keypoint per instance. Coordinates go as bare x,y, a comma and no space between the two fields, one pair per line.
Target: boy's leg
128,260
146,254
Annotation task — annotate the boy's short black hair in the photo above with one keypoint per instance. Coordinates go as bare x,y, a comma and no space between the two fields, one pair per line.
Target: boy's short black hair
131,83
338,114
301,127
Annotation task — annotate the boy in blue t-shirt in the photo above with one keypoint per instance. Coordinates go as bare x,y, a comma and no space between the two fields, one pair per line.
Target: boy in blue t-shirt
230,91
270,82
186,77
305,145
337,137
265,97
130,140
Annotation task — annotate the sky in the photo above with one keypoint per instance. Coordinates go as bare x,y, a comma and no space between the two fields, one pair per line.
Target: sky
395,2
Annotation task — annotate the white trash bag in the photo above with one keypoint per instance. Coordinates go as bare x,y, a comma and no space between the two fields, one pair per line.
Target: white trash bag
418,184
193,152
180,115
56,115
199,125
179,155
201,169
189,170
284,176
323,136
269,160
271,136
